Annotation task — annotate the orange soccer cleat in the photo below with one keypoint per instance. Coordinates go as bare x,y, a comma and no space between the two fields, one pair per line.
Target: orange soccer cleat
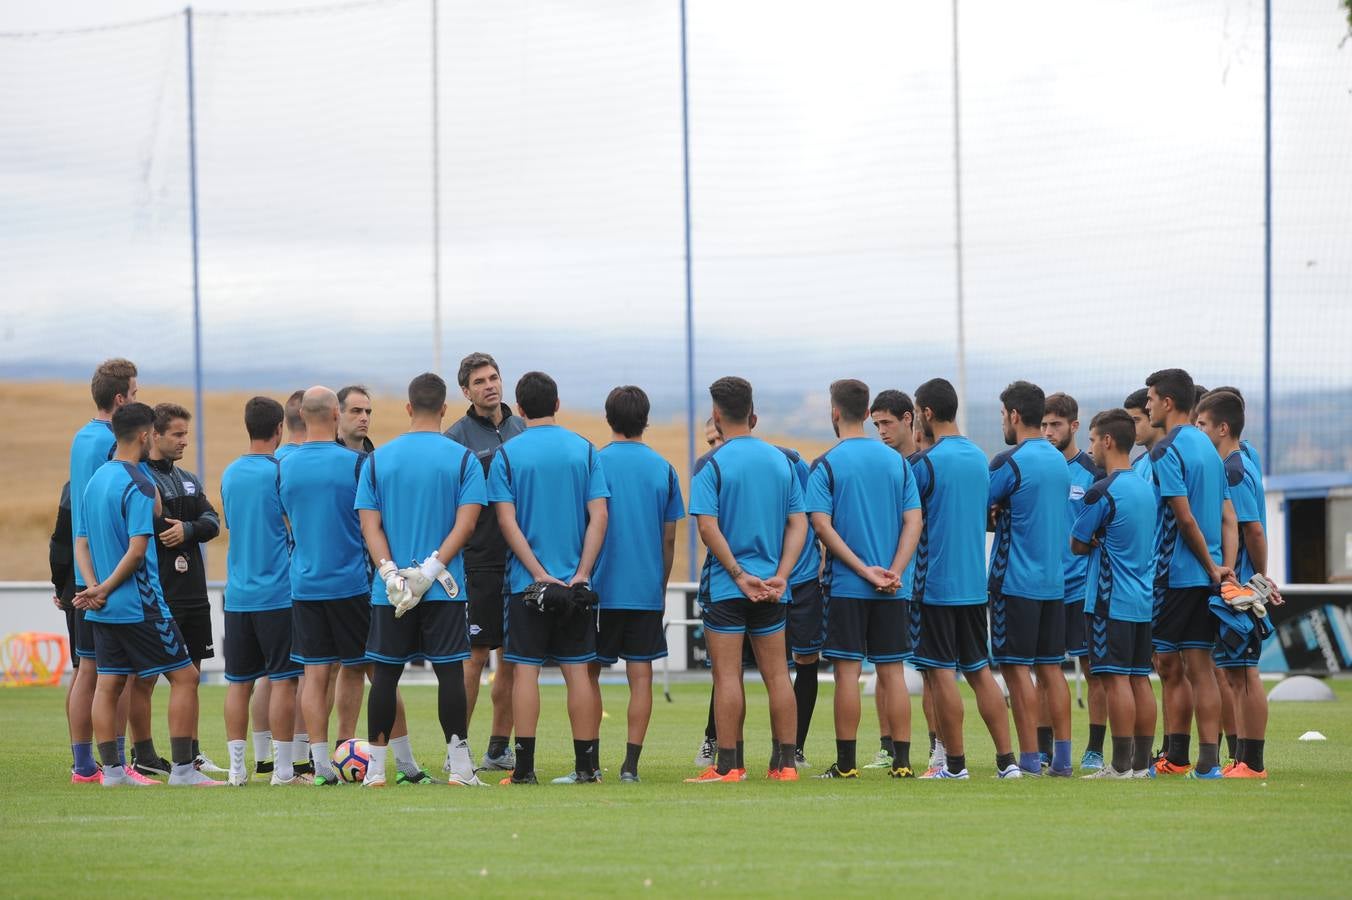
711,775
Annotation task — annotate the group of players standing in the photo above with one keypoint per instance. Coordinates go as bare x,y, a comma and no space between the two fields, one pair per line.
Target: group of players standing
348,563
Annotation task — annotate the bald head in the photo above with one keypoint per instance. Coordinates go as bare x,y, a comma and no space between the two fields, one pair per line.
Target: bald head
319,409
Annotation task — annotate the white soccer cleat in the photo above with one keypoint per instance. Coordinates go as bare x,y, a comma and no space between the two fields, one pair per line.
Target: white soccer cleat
203,763
124,780
459,765
237,779
193,778
370,781
1110,773
287,782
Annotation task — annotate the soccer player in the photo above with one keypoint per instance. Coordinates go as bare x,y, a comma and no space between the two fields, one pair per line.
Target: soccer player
1220,416
1197,524
954,490
712,439
258,596
487,424
188,522
708,750
1115,532
1060,424
634,565
1028,489
134,633
750,507
354,418
419,499
295,425
550,491
864,505
330,590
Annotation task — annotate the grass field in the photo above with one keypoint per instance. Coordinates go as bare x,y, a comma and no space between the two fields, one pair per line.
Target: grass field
875,837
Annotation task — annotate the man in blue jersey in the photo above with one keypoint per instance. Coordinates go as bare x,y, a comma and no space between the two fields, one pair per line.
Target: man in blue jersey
258,597
864,506
951,476
330,586
635,561
1029,485
295,425
1197,532
133,631
1220,416
1060,423
419,499
550,494
1115,532
750,507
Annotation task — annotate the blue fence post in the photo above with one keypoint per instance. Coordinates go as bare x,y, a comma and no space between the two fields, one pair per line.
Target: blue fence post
196,285
689,296
1267,236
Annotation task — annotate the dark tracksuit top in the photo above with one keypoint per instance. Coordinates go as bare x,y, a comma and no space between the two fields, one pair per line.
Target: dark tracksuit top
487,548
183,573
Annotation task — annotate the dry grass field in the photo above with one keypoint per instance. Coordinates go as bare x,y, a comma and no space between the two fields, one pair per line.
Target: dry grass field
44,416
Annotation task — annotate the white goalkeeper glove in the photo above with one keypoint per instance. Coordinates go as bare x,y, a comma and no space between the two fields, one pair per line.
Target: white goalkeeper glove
420,578
396,588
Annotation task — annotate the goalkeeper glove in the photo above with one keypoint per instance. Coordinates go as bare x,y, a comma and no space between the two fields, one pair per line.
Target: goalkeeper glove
420,577
1253,595
396,588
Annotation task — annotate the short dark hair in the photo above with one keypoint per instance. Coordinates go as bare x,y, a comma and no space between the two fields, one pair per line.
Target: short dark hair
537,395
1224,406
112,377
1175,385
472,362
348,391
1198,392
168,412
1026,399
1136,400
1229,389
427,393
850,396
1115,424
262,415
294,420
898,403
627,410
938,396
132,418
1063,405
732,395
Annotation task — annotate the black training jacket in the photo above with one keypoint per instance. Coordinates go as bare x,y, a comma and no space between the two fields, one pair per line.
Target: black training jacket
183,571
487,549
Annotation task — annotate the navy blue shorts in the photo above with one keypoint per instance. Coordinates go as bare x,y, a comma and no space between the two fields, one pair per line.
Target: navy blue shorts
434,630
330,631
258,645
913,627
1183,620
1118,648
952,637
1077,644
484,587
143,649
806,618
741,616
194,621
533,637
1027,632
876,630
83,645
634,635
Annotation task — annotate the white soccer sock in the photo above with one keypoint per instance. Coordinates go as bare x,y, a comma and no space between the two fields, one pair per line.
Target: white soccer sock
282,766
402,748
262,741
940,755
236,757
300,748
323,756
376,768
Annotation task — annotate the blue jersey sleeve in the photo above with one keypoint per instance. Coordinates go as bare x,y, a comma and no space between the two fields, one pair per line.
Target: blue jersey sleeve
1242,491
923,477
367,495
795,495
704,492
140,509
596,480
1004,478
675,502
1092,517
499,482
818,494
473,485
1168,472
910,492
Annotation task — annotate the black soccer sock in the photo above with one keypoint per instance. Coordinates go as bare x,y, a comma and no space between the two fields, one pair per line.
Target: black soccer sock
144,751
1122,751
1096,736
805,695
1208,756
108,754
845,755
726,760
885,744
452,707
1253,754
525,757
497,744
1044,740
958,761
1002,761
787,756
710,729
741,755
774,753
582,757
1232,746
901,754
631,754
180,748
382,703
1140,752
1179,749
196,748
1241,750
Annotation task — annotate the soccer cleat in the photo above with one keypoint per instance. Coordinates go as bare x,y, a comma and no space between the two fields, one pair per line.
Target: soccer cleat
1162,767
305,768
836,772
1242,770
373,782
711,775
330,780
505,762
237,779
1012,771
933,771
203,763
293,780
1141,773
1060,773
944,773
419,777
901,772
578,778
1045,759
77,778
788,773
193,778
152,767
1228,766
799,760
124,780
1212,774
881,760
1108,772
265,767
526,779
458,780
1091,761
708,751
628,777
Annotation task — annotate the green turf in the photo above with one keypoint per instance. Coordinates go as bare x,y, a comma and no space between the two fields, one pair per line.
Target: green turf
875,837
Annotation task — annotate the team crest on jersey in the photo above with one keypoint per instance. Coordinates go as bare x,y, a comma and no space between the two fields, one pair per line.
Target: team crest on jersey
189,488
181,564
1076,492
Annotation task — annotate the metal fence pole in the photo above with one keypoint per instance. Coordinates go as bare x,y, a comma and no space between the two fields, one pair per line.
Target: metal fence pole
689,293
196,281
436,194
957,225
1267,236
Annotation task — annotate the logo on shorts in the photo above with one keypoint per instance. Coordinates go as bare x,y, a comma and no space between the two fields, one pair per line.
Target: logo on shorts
1076,492
181,564
474,630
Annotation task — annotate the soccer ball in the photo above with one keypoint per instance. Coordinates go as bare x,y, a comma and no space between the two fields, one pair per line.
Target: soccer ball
350,759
